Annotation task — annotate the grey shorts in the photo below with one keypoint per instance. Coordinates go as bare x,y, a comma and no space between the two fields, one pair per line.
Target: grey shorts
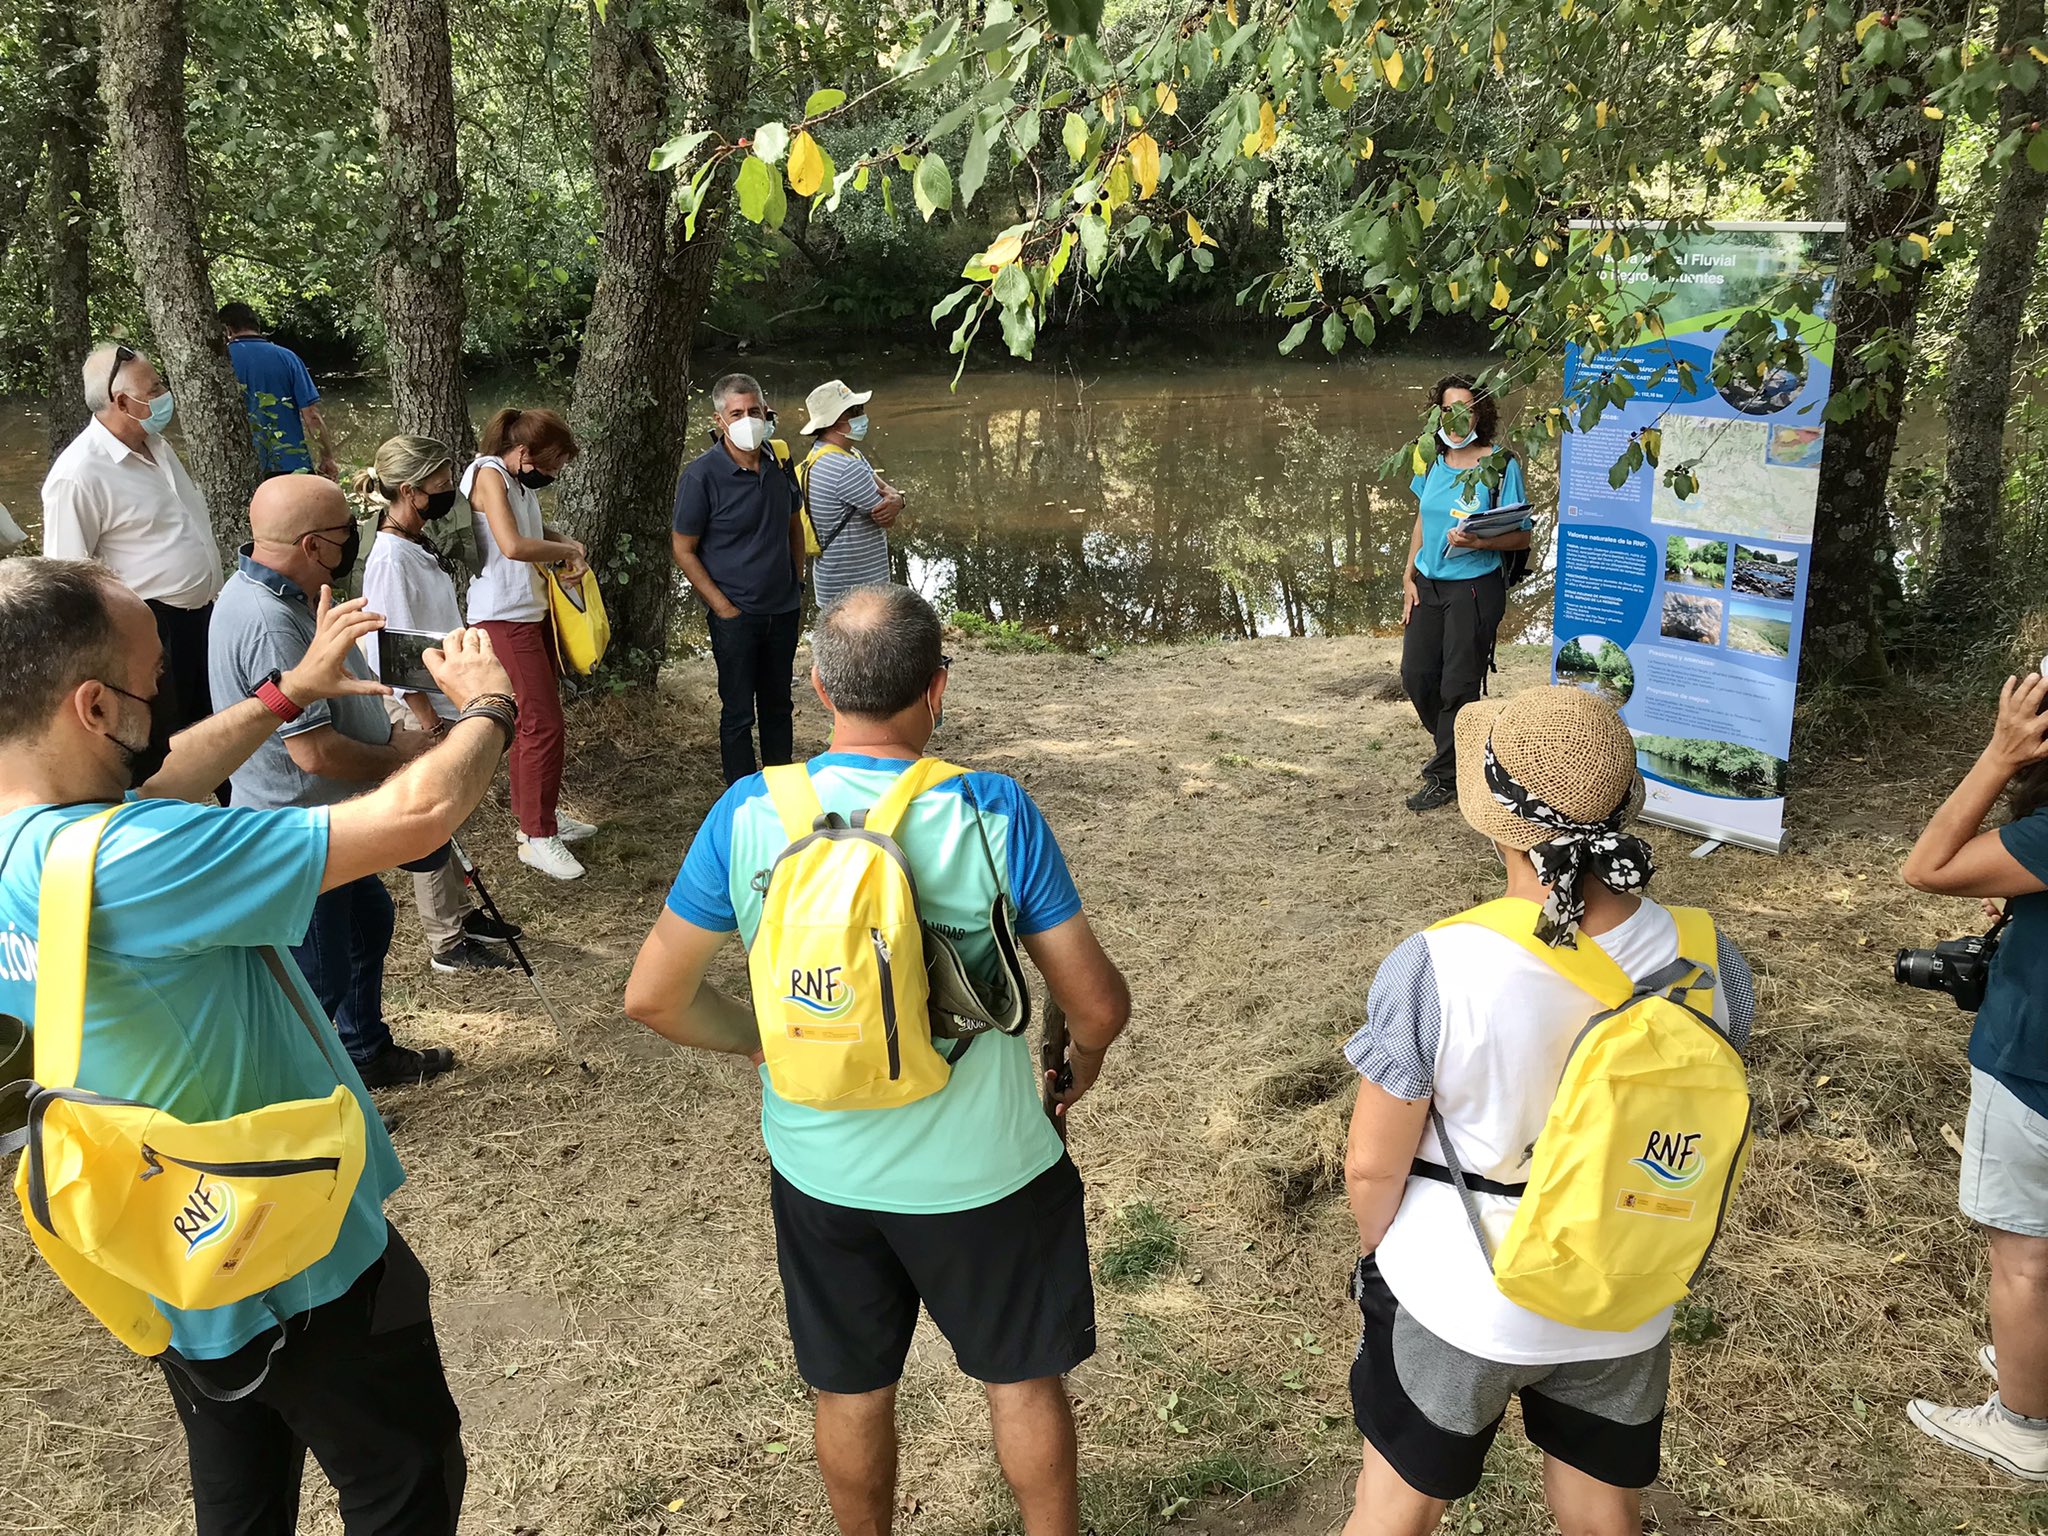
2005,1161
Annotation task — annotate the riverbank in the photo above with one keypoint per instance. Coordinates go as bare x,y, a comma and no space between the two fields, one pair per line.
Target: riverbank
601,1249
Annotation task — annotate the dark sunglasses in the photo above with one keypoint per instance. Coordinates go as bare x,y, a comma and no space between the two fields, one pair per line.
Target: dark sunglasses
123,355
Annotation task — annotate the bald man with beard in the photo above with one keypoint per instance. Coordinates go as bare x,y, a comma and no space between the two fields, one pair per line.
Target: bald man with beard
305,538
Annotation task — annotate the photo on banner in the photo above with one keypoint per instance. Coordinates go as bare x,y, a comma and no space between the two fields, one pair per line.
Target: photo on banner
1686,610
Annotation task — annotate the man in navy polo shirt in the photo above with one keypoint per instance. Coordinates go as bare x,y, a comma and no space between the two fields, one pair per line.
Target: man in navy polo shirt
739,539
280,397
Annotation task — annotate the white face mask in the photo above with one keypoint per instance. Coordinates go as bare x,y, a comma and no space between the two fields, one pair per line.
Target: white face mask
747,434
1456,442
857,428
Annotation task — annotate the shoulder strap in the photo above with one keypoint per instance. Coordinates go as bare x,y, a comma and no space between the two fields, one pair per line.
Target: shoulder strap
63,923
1699,951
1507,457
887,813
1586,967
796,798
274,963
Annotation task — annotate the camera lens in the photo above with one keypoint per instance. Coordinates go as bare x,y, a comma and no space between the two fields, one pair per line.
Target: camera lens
1918,968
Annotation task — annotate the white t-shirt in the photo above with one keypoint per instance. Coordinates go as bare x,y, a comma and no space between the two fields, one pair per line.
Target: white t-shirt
1475,1021
404,582
507,589
146,520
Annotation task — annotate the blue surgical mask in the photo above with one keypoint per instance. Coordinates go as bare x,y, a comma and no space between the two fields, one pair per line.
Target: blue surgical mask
159,415
857,428
1456,442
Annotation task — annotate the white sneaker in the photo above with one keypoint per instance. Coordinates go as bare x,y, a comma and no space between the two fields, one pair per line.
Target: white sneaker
1987,1357
550,857
570,830
1986,1433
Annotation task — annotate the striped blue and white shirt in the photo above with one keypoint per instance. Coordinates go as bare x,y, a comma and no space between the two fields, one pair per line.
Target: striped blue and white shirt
843,491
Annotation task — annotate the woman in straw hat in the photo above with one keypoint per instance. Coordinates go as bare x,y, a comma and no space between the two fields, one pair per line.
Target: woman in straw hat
1464,1019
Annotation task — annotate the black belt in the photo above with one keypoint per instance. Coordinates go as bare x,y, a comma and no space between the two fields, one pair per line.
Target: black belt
1477,1185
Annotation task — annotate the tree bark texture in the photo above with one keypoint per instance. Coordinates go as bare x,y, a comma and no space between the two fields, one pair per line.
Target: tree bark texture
419,273
71,69
143,84
631,407
1967,581
1874,322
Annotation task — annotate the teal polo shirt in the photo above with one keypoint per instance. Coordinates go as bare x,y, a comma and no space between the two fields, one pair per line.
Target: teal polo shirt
1444,501
181,1011
985,1134
2010,1037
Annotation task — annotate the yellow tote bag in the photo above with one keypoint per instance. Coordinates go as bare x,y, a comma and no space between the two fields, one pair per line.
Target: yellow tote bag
583,633
127,1202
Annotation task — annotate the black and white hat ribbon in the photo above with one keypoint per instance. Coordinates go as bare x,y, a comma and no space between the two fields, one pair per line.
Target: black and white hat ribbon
1618,860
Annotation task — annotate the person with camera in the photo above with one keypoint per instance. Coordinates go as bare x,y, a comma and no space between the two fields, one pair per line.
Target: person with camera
186,1009
2005,1145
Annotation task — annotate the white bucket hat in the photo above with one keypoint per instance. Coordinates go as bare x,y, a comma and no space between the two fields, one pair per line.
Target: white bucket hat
828,402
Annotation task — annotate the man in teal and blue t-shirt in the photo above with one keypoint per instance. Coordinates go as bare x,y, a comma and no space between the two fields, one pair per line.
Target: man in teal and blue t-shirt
194,906
965,1200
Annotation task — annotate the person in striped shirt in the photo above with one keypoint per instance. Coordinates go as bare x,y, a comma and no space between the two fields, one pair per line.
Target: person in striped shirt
852,508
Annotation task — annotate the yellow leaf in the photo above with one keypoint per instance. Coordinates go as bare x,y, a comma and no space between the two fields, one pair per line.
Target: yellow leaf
674,1505
1541,255
1349,82
1934,114
1366,153
1500,52
1261,138
1002,253
806,165
1317,279
1564,12
1428,64
1117,190
1341,9
1457,291
2039,56
1395,69
1501,297
1944,229
1144,153
1863,27
1604,244
1713,157
1425,209
1230,10
1169,99
1599,114
1416,461
1503,208
1196,235
1926,246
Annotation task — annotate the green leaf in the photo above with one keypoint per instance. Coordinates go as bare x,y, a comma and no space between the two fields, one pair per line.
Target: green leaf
770,140
1617,473
888,196
778,200
676,151
1361,325
1072,17
932,186
1074,134
1094,242
2037,151
951,302
1296,336
1020,329
973,166
1334,331
824,101
1013,285
753,188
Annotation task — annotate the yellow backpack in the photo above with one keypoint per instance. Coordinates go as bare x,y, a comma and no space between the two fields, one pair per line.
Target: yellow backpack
583,631
127,1203
1644,1146
838,964
813,546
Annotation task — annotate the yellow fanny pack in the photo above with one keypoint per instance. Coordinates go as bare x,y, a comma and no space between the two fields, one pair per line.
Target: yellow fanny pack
583,631
130,1205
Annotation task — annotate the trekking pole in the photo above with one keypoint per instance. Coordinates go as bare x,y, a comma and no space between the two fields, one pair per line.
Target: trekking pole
483,894
1057,1076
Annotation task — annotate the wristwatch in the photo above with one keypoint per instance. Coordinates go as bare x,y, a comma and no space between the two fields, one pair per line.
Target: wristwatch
274,697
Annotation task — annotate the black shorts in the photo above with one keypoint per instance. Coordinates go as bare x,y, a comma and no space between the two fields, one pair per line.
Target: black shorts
1008,1284
1602,1417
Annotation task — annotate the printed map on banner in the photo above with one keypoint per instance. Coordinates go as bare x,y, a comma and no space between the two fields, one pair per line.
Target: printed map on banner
1686,611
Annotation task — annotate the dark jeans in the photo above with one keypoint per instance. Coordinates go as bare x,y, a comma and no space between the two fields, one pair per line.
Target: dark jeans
183,632
357,1382
754,653
343,957
1445,651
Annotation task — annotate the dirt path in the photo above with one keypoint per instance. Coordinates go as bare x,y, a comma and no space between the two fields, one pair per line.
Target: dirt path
601,1251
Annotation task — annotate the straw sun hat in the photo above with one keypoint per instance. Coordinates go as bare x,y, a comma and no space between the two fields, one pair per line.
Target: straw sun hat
1565,746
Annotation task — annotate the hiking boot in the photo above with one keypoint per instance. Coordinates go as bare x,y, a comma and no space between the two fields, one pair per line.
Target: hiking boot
1431,796
485,929
550,857
397,1066
1988,1433
465,954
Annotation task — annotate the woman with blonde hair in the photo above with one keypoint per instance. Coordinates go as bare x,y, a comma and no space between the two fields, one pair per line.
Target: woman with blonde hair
521,454
412,583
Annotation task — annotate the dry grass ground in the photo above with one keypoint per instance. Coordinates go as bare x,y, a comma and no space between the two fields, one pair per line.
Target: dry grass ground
601,1248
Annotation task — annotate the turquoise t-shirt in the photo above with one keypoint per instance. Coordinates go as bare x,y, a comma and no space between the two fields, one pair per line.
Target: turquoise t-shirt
2010,1038
984,1135
181,1011
1445,501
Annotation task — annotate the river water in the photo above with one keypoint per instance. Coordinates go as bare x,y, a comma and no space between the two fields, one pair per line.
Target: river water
1171,489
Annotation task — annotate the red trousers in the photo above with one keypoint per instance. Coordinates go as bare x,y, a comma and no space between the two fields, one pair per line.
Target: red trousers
527,652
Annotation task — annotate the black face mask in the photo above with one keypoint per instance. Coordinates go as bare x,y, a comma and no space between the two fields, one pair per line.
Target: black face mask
351,545
145,760
534,480
439,505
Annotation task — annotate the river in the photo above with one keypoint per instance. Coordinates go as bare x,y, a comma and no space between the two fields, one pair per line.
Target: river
1174,488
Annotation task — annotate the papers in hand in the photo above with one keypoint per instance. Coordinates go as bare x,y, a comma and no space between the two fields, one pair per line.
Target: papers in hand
1496,520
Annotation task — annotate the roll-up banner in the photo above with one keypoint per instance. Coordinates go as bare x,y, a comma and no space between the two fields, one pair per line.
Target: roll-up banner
1686,610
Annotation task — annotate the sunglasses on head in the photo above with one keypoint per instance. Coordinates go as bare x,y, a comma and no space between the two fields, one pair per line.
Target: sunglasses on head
123,355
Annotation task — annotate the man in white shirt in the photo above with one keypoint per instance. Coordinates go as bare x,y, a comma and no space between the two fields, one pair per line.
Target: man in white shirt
118,494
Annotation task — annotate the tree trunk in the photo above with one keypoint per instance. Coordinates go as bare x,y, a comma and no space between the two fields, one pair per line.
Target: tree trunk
143,85
631,409
72,71
1874,320
1965,586
419,270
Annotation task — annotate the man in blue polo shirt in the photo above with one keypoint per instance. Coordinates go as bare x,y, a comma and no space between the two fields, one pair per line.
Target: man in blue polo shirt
739,539
186,1009
964,1200
278,392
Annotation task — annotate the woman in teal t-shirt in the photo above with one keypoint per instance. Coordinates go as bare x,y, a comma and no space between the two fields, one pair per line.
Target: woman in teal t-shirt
1455,590
2004,1186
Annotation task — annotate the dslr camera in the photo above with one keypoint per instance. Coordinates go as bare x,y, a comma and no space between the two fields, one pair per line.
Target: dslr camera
1959,967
